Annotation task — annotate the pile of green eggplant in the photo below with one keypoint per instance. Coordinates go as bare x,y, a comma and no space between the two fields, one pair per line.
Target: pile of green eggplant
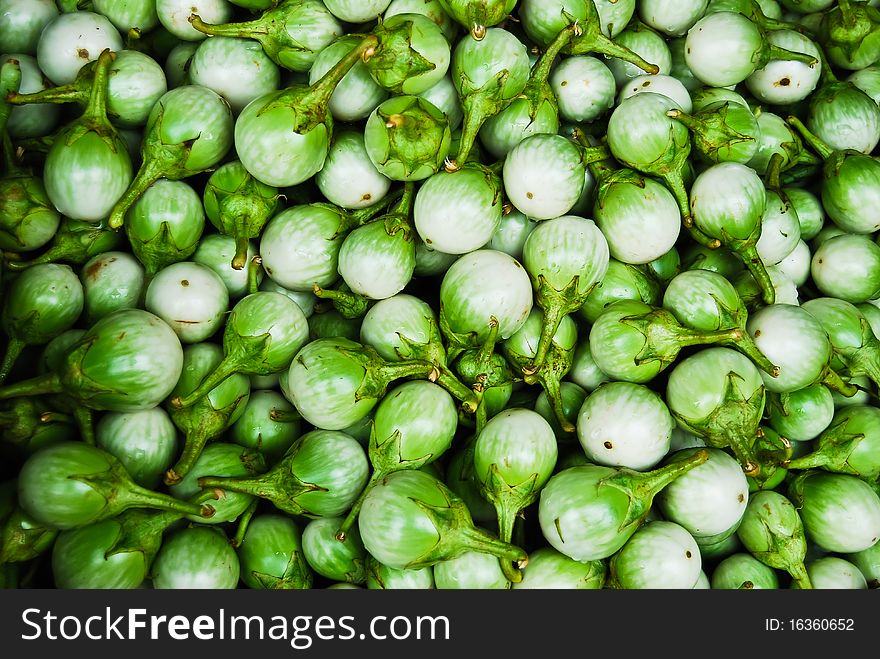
453,294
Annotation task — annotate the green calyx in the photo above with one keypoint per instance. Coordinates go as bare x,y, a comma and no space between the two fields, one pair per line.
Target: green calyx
378,373
121,494
456,534
241,354
768,51
772,453
431,350
271,29
141,531
76,382
23,539
862,359
398,219
484,369
555,304
478,15
509,501
746,250
538,94
478,106
665,336
394,60
593,40
27,217
201,423
456,342
280,485
409,138
737,317
640,488
735,423
75,242
351,305
773,532
239,206
850,34
158,251
722,131
94,120
385,458
309,104
159,160
296,576
555,365
23,418
836,450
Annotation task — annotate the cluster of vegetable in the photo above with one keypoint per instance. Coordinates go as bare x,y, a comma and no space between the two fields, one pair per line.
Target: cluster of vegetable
440,294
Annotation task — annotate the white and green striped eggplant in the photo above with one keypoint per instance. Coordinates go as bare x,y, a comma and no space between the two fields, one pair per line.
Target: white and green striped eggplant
22,22
833,572
71,40
514,455
349,179
472,570
269,424
382,577
263,332
660,554
589,512
339,560
127,361
271,554
237,69
742,571
709,500
88,167
321,475
622,424
412,520
191,298
830,504
39,304
482,285
548,568
773,532
459,212
196,557
111,281
803,414
145,442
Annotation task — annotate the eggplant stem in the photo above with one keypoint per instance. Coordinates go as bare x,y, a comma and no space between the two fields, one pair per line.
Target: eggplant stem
48,383
13,350
355,509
